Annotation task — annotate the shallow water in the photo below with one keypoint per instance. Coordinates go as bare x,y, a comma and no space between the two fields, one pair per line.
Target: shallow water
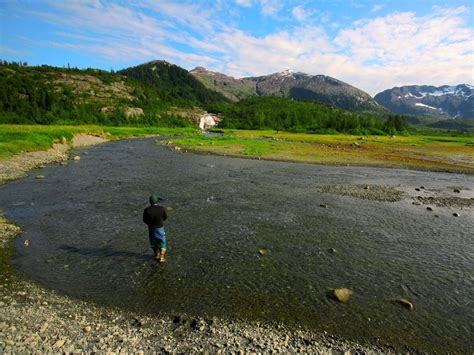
87,239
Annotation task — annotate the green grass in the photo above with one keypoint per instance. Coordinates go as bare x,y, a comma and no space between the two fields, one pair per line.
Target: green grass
444,153
15,139
345,138
409,151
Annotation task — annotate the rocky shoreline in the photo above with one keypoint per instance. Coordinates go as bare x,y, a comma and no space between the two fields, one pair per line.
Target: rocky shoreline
36,319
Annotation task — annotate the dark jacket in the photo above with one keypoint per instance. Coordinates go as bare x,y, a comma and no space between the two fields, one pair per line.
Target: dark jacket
154,216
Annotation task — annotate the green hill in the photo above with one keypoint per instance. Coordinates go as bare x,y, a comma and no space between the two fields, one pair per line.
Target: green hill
154,93
173,84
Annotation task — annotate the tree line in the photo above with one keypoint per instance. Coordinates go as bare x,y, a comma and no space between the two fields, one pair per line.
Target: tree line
282,114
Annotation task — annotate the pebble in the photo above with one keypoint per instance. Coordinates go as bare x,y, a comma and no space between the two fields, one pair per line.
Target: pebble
455,214
44,327
77,158
26,243
405,303
457,191
87,328
59,343
39,177
263,252
342,294
323,205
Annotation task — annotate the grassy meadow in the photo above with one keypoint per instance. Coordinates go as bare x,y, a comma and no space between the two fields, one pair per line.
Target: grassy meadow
441,153
16,139
425,152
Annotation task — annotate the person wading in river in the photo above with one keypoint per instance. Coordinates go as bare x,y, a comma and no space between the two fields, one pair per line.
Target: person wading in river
154,216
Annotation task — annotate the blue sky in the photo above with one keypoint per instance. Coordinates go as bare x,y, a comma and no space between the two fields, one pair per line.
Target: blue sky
373,45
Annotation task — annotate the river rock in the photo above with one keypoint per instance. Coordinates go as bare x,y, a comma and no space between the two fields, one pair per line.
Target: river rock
44,327
59,343
76,158
342,294
405,303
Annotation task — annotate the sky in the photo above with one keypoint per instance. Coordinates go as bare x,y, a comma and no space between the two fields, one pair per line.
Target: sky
373,45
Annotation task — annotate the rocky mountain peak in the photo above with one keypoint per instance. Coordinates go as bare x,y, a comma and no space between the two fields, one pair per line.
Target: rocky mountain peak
446,101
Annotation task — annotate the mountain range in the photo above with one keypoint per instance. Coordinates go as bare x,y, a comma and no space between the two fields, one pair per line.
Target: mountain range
289,84
443,102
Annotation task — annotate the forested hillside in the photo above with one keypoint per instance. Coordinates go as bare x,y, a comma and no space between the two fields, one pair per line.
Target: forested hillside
173,84
300,116
48,95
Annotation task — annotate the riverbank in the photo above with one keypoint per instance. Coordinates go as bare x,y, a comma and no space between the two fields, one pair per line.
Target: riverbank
36,319
427,153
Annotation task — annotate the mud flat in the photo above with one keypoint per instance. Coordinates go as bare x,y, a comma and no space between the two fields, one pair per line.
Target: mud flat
255,248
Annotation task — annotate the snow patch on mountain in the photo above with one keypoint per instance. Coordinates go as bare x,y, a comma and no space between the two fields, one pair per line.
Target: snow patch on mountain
427,106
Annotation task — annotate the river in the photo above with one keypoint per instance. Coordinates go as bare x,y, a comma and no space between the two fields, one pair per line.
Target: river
86,239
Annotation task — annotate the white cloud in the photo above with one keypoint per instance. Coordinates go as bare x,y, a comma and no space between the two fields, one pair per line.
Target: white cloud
377,8
372,54
10,51
299,13
271,7
244,3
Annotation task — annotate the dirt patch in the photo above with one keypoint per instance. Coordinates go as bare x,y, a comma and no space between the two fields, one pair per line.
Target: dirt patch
85,140
446,201
367,192
18,166
7,232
